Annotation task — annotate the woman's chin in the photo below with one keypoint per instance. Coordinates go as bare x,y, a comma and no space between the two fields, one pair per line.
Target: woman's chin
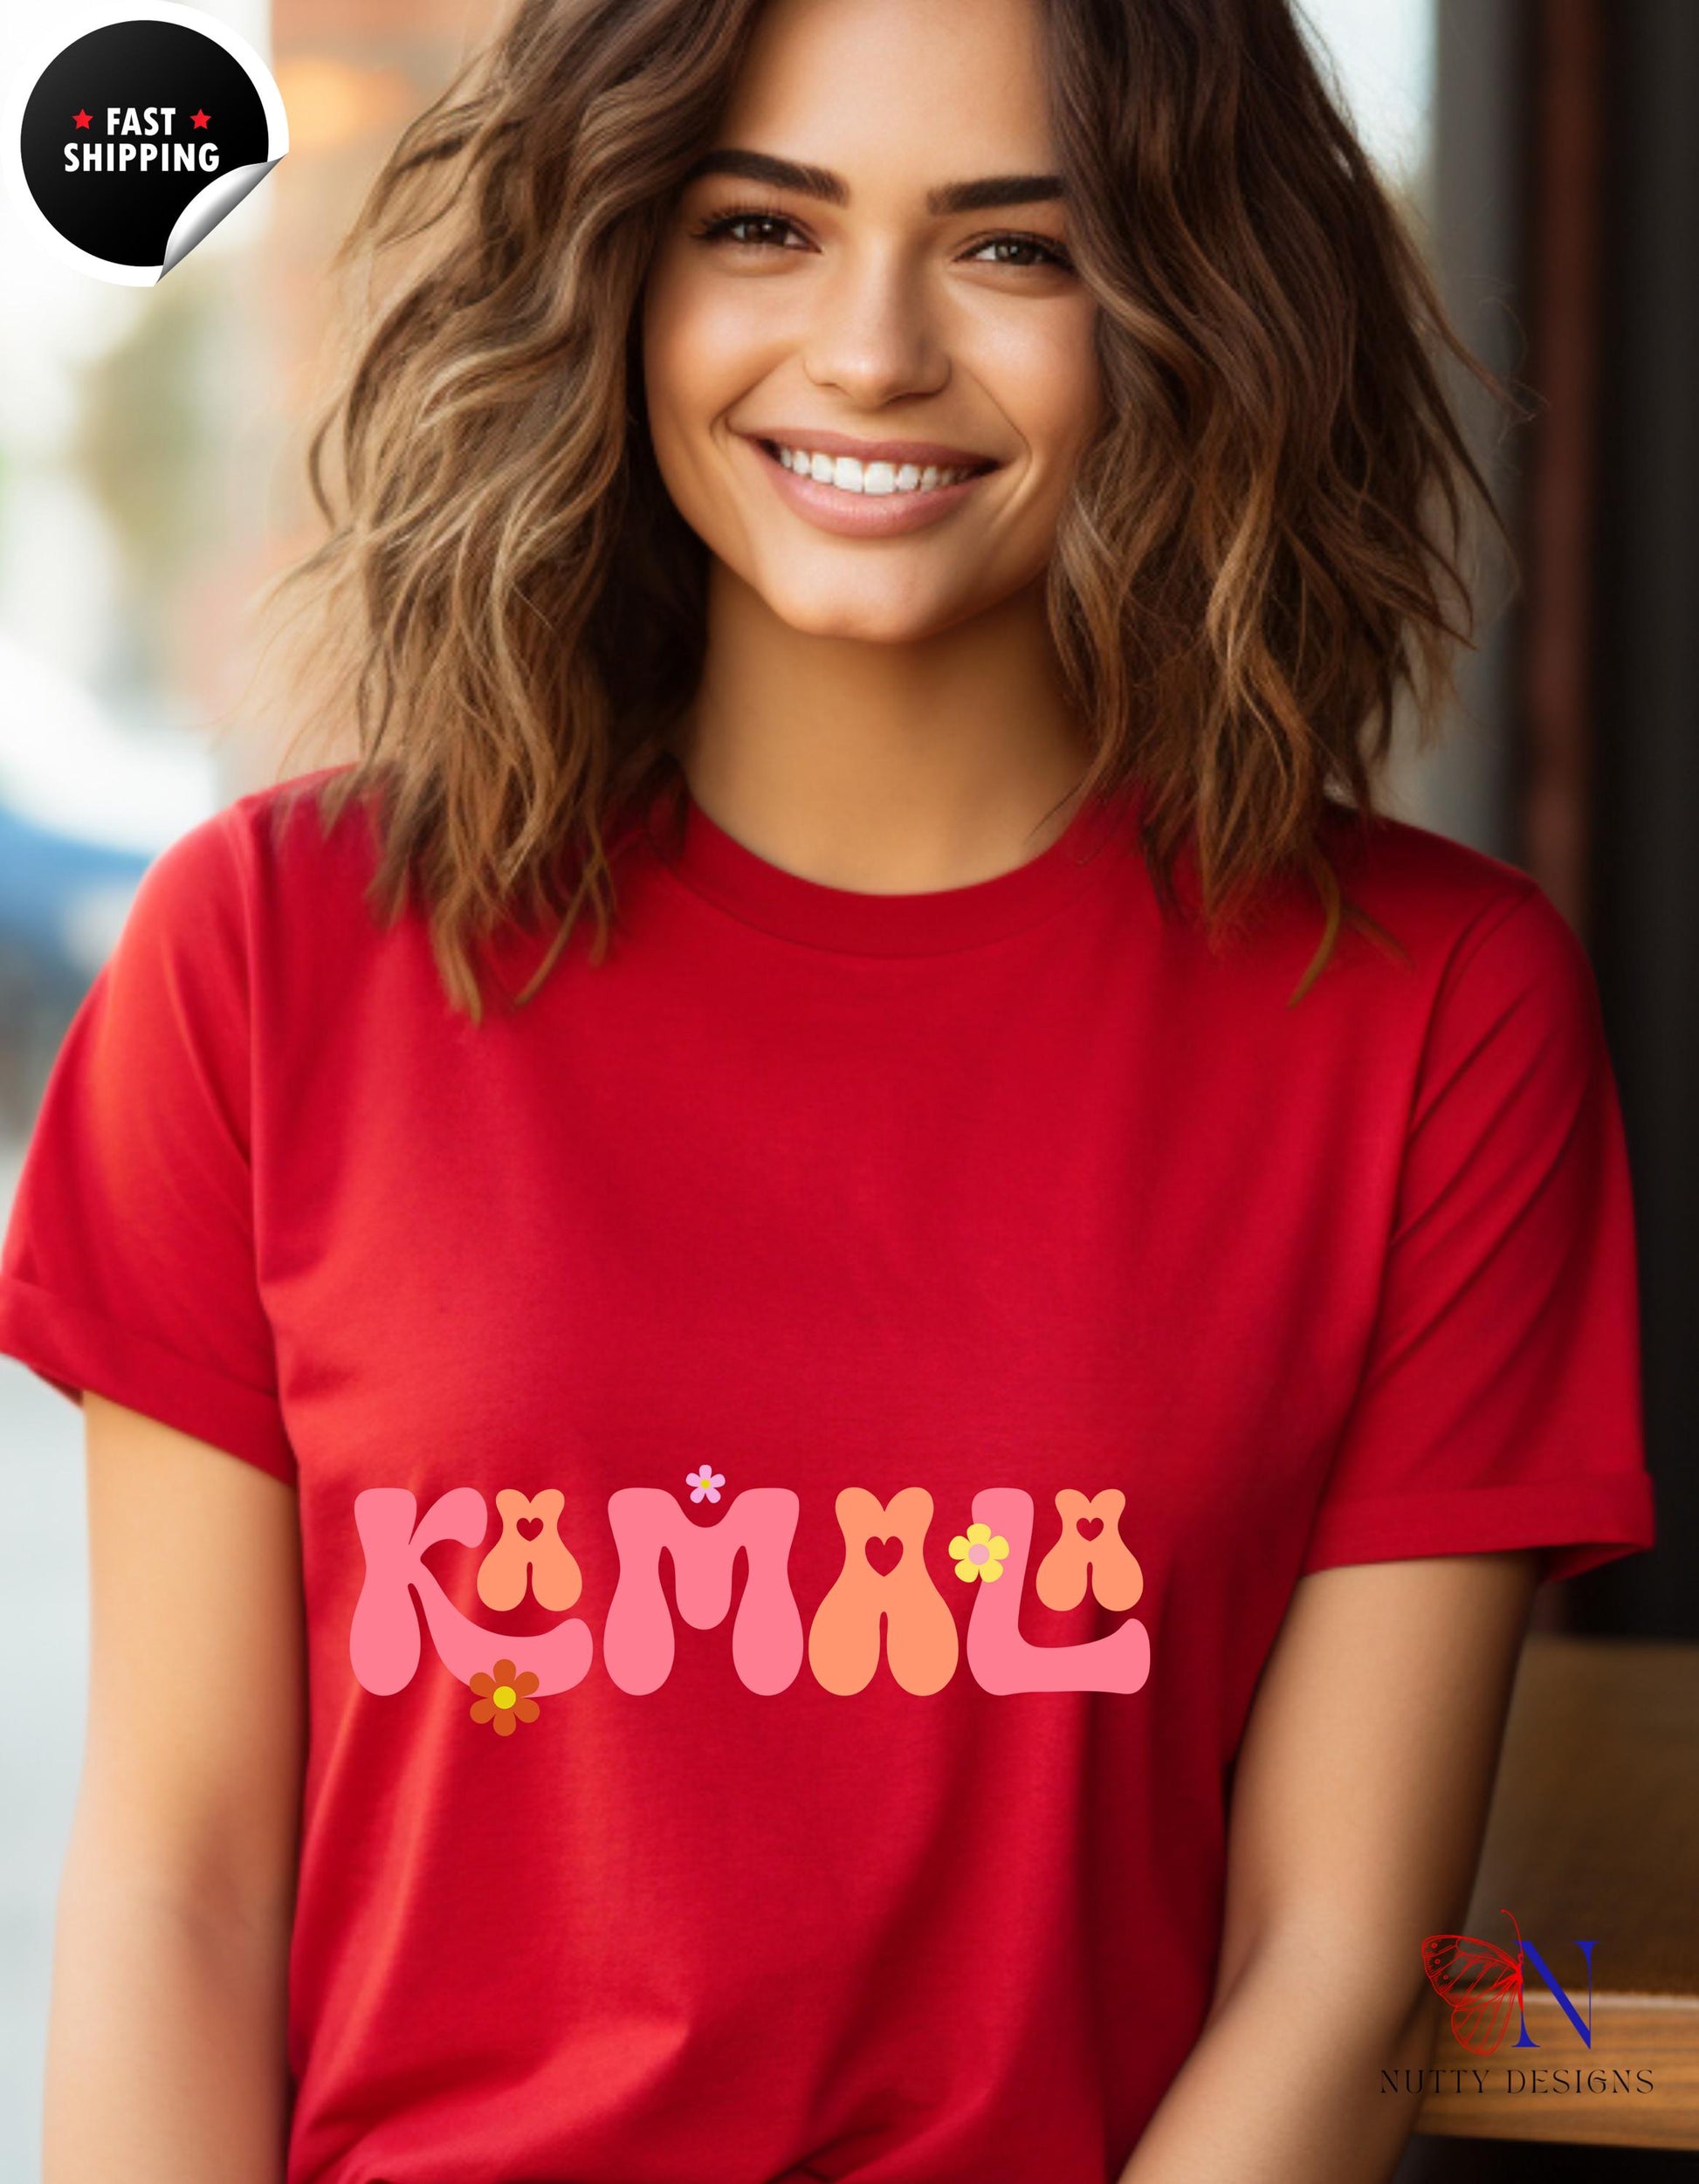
840,611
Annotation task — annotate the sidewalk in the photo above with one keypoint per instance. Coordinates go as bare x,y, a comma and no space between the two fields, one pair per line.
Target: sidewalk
43,1643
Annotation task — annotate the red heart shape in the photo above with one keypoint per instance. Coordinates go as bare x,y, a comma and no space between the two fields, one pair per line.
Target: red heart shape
1089,1527
890,1546
528,1527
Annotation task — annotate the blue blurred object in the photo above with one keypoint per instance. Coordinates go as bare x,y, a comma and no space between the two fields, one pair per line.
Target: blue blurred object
62,901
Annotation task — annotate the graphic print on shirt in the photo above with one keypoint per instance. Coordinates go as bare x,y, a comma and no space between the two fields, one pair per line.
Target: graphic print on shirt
883,1599
530,1554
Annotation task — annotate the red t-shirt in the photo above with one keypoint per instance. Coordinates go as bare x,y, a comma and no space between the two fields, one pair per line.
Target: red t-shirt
805,1435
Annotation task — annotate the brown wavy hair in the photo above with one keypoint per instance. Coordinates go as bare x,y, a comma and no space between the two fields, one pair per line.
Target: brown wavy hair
1262,548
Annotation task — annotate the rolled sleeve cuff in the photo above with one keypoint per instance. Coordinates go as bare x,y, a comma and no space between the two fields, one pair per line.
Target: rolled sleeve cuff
73,1348
1580,1522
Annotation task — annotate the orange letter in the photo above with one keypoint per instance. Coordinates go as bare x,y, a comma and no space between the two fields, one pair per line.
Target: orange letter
530,1549
1090,1549
921,1632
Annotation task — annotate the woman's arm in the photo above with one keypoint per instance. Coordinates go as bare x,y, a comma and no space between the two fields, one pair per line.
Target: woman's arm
166,2058
1359,1803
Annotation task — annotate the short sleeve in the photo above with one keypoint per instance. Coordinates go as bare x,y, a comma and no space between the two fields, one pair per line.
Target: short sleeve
129,1263
1501,1406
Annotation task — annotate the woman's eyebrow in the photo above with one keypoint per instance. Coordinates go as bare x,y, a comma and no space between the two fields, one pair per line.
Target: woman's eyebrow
984,195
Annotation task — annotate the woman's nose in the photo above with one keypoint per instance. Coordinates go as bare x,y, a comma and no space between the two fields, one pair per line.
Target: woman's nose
872,334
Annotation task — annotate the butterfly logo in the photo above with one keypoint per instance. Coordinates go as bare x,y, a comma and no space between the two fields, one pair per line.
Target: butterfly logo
1482,1982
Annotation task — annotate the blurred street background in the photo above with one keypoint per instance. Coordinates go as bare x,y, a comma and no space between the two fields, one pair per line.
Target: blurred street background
151,446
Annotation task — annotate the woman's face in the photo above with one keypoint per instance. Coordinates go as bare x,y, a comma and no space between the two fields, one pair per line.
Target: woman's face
870,273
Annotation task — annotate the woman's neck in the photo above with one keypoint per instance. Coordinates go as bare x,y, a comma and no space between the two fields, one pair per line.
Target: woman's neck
887,768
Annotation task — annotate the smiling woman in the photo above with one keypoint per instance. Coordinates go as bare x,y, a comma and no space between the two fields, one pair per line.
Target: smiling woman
914,514
1130,262
922,479
1006,319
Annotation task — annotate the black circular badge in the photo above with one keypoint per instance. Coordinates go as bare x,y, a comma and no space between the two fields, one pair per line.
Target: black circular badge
134,138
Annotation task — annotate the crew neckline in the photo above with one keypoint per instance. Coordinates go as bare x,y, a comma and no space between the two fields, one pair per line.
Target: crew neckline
715,866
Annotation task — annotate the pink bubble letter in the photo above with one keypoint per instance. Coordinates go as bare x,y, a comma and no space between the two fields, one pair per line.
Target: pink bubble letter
383,1643
1002,1661
766,1637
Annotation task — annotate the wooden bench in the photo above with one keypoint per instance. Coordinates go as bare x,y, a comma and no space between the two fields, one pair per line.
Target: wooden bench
1594,1835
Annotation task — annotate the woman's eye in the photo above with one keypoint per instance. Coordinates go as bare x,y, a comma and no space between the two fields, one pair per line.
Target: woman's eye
1040,253
746,230
749,230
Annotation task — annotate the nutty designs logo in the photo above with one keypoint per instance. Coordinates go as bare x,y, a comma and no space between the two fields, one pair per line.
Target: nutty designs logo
1484,1985
134,135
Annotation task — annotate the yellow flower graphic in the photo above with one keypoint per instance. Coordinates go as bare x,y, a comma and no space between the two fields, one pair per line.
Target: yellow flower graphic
979,1554
504,1698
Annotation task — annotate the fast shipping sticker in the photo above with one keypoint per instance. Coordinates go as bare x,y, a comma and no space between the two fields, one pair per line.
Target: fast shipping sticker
130,140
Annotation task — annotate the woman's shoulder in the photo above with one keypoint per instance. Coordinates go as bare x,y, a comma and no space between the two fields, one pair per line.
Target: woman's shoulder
277,849
1489,947
263,885
288,836
1431,890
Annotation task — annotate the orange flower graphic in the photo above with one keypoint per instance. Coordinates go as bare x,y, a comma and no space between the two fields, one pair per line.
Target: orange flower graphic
505,1697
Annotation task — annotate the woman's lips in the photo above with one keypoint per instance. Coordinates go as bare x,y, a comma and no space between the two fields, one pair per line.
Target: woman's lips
859,515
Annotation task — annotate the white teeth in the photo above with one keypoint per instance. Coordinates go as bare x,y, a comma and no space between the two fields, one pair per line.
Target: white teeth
850,475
